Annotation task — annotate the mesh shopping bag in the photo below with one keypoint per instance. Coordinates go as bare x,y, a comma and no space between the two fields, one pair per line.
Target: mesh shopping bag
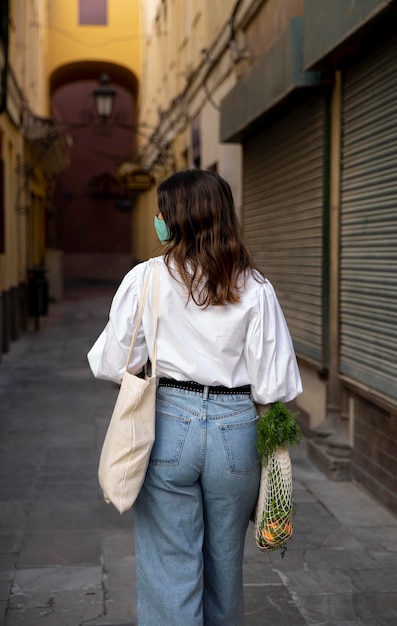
273,516
277,431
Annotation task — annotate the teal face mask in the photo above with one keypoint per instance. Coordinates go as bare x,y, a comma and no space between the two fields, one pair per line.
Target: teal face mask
162,230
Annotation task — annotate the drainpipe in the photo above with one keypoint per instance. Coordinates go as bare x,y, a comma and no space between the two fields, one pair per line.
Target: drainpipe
333,432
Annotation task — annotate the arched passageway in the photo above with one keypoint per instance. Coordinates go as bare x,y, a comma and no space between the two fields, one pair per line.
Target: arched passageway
88,225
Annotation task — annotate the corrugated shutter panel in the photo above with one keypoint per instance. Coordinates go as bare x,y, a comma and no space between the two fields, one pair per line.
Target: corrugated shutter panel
369,222
283,217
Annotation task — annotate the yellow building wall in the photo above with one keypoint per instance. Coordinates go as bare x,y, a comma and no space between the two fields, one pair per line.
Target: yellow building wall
119,41
28,34
24,245
145,243
36,36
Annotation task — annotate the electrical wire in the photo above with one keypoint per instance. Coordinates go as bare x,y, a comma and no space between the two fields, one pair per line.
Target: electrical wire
98,44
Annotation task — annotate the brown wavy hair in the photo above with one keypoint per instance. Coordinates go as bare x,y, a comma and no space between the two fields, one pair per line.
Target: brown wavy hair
205,242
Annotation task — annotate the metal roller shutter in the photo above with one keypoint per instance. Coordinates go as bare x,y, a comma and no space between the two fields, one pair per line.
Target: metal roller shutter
369,222
283,217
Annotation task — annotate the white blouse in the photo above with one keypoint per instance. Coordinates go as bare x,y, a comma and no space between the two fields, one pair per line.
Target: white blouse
231,345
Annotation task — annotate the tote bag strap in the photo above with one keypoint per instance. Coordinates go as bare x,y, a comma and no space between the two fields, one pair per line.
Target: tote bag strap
156,301
156,297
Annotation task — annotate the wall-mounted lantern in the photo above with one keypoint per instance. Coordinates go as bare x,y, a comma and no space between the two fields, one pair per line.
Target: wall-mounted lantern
104,98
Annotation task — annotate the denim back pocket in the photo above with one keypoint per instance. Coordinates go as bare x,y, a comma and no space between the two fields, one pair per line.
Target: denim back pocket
169,440
239,440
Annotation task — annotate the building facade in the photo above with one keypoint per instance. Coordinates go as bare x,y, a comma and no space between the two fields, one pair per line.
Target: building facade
31,152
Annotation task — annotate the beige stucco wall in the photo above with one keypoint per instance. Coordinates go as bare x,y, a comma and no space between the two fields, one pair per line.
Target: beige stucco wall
179,31
313,400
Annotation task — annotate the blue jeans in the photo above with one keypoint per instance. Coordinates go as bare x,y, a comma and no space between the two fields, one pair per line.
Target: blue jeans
192,513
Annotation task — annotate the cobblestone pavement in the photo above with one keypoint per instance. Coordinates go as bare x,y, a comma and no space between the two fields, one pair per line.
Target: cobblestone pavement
67,558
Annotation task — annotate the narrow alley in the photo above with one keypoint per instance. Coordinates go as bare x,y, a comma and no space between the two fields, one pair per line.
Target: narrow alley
67,558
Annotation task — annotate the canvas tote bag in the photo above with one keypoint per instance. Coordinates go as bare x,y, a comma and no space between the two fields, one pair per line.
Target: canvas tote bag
129,438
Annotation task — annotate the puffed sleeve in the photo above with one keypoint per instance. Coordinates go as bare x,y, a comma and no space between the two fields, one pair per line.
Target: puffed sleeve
269,352
108,356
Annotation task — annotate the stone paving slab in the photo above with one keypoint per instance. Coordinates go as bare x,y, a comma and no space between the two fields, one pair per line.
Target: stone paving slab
59,548
90,516
109,621
58,578
271,605
59,595
69,608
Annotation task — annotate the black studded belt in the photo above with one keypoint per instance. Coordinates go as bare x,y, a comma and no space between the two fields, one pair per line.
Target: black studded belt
190,385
